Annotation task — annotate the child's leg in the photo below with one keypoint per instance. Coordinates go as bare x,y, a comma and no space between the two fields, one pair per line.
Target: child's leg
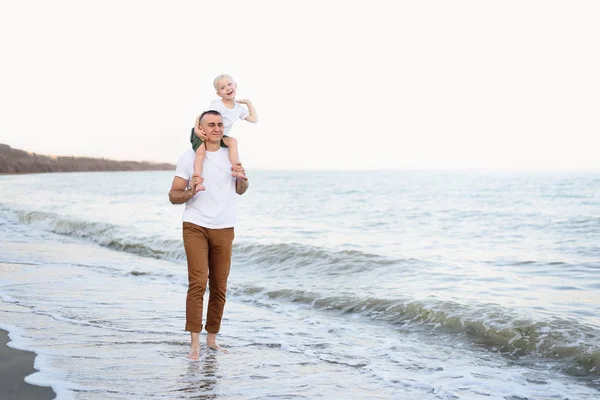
197,180
234,157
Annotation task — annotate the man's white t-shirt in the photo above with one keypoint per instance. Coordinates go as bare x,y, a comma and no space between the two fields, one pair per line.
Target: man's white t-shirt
230,115
213,208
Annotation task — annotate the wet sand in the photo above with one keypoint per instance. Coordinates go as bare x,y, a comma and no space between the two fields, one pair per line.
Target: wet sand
15,365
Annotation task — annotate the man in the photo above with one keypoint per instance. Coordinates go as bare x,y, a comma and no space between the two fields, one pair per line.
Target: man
208,221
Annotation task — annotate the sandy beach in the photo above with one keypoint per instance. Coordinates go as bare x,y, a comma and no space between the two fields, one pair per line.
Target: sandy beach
15,365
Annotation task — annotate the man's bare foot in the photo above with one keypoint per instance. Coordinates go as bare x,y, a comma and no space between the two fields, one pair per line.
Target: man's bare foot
211,342
194,352
238,172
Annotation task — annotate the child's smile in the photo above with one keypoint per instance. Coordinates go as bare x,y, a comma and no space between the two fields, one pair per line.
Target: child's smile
226,89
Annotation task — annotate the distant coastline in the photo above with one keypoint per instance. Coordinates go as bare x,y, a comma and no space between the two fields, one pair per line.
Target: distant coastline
14,161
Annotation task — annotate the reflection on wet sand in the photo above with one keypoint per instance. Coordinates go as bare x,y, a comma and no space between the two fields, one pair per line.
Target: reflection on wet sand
201,377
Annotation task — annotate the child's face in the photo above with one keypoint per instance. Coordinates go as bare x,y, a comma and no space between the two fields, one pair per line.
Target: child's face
226,89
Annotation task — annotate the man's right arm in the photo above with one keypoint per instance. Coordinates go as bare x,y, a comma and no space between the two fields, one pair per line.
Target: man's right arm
179,192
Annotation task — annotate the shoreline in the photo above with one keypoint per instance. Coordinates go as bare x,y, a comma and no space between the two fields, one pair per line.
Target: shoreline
15,161
15,365
78,172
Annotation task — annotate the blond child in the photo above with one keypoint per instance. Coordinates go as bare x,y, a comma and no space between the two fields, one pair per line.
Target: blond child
231,110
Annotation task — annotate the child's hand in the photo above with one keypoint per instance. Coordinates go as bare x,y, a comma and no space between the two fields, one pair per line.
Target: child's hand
198,131
243,101
238,172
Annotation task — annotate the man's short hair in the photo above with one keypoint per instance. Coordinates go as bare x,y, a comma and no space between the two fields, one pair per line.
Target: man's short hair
209,112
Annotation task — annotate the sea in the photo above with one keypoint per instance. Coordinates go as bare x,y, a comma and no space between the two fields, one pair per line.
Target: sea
408,284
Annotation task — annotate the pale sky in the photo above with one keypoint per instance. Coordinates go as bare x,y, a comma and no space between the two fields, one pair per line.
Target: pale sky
336,84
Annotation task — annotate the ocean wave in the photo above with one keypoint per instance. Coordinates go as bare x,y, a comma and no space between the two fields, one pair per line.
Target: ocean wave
294,256
572,345
103,234
272,257
578,225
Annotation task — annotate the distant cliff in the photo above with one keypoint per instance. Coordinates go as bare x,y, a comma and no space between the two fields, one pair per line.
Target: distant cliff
13,161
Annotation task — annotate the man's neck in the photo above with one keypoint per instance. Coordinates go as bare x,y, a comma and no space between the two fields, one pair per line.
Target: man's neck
211,146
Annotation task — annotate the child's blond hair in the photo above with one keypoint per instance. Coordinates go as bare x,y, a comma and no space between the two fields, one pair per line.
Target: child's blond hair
222,76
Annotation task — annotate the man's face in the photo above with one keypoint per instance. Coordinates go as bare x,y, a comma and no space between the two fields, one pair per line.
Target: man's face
226,89
212,126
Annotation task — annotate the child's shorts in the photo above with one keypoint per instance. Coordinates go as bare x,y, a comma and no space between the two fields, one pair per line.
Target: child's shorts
196,141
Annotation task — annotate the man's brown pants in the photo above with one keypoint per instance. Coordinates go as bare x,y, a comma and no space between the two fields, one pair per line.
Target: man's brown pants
208,253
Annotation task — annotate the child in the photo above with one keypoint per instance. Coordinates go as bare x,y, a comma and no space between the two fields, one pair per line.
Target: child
231,110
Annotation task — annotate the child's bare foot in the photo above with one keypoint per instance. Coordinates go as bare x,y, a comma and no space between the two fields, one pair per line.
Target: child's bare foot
194,352
199,188
211,342
197,185
238,172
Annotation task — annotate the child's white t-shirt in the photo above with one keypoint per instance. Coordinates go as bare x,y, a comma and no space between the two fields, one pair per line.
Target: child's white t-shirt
230,115
213,208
